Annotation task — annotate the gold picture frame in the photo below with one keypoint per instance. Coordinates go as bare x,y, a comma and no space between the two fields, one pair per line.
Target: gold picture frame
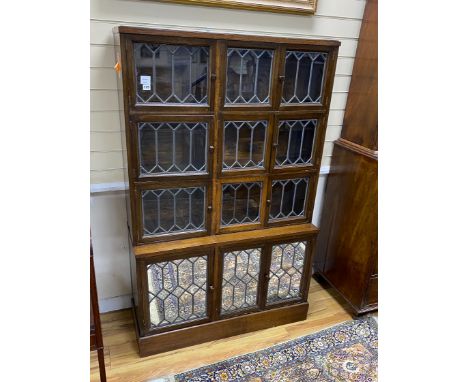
302,7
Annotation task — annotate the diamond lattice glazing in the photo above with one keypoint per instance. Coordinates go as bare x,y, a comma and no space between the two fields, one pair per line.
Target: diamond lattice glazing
173,210
304,75
240,280
172,147
171,74
248,76
286,269
177,291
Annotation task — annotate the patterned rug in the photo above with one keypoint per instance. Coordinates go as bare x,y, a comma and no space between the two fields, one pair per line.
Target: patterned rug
343,353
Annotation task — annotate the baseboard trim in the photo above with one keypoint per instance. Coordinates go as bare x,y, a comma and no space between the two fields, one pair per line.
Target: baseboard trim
115,303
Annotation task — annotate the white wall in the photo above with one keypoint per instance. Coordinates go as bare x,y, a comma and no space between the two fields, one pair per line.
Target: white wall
335,19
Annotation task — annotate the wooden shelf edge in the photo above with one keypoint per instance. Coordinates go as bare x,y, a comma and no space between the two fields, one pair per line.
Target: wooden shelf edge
224,36
244,237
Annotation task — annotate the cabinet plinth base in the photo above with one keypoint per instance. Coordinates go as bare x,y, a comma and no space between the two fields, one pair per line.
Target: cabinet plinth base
160,343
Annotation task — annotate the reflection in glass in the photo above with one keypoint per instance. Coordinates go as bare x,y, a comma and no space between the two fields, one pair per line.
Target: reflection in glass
244,144
173,210
286,269
248,76
241,203
288,198
171,74
240,280
304,74
295,142
177,291
172,147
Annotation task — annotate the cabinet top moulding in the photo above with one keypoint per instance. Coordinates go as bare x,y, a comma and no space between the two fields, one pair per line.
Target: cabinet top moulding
288,232
223,36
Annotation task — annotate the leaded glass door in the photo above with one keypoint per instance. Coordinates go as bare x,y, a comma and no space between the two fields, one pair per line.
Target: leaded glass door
169,75
262,275
288,272
179,290
174,146
297,142
250,80
289,199
303,79
240,279
241,203
173,210
244,142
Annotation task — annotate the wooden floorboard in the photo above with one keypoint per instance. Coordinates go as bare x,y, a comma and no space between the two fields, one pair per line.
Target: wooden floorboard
124,364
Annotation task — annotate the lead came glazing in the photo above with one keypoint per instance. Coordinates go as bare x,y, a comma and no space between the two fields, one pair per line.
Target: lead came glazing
304,74
172,147
241,203
173,210
248,76
177,291
287,266
244,144
240,280
295,142
288,198
171,74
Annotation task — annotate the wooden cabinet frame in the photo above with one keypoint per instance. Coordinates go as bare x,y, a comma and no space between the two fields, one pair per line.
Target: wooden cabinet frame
216,112
215,239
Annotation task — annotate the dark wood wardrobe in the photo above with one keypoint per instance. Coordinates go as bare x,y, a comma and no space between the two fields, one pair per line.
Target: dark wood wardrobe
347,243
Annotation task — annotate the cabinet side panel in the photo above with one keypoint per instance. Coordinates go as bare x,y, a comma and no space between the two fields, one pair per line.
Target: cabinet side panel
124,128
348,233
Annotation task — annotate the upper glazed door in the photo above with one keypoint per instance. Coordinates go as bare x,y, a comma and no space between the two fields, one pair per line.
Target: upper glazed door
171,74
304,79
250,77
297,142
173,146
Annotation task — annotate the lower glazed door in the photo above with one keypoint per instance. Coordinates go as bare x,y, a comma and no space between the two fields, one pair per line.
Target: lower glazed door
179,290
257,277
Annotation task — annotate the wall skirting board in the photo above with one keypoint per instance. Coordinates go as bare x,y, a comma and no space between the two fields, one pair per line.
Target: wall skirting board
115,303
109,235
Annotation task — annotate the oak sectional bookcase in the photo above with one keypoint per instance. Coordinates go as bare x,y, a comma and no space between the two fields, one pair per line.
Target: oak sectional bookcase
223,142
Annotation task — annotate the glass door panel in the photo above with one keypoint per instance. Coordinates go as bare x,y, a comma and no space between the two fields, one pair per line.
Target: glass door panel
295,142
241,203
172,147
244,144
248,76
304,73
286,269
288,198
171,74
240,280
173,210
177,291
